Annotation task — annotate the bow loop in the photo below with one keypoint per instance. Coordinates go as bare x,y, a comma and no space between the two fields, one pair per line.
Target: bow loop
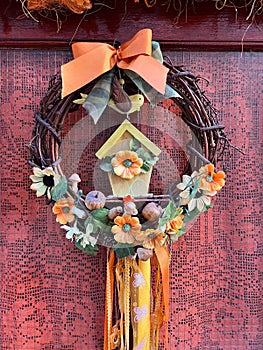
140,44
94,59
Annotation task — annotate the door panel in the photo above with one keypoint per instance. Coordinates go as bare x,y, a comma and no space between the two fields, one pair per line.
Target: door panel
52,295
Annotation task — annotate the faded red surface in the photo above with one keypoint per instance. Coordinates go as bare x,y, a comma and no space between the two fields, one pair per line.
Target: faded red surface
52,295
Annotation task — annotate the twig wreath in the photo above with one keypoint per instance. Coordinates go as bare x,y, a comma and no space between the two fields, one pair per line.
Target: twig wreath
132,235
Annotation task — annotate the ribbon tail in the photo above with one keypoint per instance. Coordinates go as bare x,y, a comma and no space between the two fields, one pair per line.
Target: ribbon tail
149,69
98,98
152,95
157,308
119,274
156,52
126,302
141,304
162,255
109,300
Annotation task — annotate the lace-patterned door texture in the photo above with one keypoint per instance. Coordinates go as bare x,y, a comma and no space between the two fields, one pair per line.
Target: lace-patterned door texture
52,294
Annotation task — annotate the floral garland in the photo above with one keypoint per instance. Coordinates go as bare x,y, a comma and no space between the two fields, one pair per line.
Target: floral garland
125,227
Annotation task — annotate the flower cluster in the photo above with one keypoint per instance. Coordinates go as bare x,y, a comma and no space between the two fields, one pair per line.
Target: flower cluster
126,164
129,163
128,230
48,182
125,228
198,188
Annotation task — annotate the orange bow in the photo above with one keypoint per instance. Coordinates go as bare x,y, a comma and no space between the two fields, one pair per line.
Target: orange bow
93,59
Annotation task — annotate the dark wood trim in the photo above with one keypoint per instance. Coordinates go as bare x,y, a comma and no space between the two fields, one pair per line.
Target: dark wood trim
254,46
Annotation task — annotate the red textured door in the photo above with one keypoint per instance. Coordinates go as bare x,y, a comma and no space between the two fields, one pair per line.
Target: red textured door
52,295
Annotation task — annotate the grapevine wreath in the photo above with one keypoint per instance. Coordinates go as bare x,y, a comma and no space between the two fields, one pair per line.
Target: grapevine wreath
137,228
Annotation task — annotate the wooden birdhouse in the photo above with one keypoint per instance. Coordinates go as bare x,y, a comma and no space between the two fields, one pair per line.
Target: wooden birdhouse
129,175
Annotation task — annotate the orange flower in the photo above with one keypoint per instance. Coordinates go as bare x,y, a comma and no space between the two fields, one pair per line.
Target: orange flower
128,199
210,180
126,164
174,225
126,228
63,210
152,239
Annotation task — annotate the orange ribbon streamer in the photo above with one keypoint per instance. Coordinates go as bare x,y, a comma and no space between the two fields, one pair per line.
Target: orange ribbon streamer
93,59
109,300
162,255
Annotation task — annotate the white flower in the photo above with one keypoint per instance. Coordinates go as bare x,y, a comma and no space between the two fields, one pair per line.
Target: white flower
140,312
139,280
186,186
72,231
86,238
141,345
44,180
201,200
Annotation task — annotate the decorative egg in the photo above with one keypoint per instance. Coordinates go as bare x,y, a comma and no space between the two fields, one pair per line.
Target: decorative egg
95,200
152,211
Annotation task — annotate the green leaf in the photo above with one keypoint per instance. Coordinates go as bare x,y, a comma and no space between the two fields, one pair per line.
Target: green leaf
101,215
60,189
106,164
141,153
88,249
174,236
170,212
147,156
195,189
191,215
154,160
122,250
207,207
89,220
145,167
162,223
134,145
147,164
103,225
100,226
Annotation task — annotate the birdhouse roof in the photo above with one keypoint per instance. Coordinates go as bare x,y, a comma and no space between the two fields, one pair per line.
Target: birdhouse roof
126,126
